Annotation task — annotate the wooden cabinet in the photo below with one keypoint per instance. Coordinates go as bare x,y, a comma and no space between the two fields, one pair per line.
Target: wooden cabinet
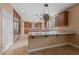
32,26
62,19
16,22
17,25
27,27
38,26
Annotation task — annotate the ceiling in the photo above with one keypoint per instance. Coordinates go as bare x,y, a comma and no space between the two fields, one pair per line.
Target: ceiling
28,11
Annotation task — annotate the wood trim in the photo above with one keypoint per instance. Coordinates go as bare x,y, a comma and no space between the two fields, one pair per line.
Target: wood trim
15,14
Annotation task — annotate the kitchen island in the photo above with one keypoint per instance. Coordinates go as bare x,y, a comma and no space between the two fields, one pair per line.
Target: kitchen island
48,38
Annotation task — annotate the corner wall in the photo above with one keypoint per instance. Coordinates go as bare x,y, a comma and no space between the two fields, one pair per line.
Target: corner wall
74,24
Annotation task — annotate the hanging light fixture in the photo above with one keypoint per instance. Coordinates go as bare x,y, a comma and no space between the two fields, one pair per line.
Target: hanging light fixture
46,13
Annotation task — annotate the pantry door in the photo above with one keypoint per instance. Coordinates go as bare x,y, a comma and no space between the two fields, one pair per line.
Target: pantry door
7,30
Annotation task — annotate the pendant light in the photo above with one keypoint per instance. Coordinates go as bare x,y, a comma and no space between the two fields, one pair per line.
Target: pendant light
46,13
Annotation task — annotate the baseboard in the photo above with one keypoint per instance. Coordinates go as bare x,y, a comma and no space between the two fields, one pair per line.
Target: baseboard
42,48
76,46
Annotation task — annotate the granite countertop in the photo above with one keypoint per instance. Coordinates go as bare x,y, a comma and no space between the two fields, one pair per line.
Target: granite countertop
51,32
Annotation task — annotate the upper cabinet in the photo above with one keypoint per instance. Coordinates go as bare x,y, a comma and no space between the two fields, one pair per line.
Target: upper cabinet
38,25
32,26
27,27
62,19
16,22
16,25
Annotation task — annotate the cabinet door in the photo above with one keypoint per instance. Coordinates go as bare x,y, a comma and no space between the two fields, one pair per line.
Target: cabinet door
62,19
7,30
38,26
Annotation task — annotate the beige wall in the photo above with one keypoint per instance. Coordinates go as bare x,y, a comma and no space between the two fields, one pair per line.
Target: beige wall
74,23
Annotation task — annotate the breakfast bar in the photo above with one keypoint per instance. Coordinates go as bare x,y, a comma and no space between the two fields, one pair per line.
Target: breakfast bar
47,38
51,32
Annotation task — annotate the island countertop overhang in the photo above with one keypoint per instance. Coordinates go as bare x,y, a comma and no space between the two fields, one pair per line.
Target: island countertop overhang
51,32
